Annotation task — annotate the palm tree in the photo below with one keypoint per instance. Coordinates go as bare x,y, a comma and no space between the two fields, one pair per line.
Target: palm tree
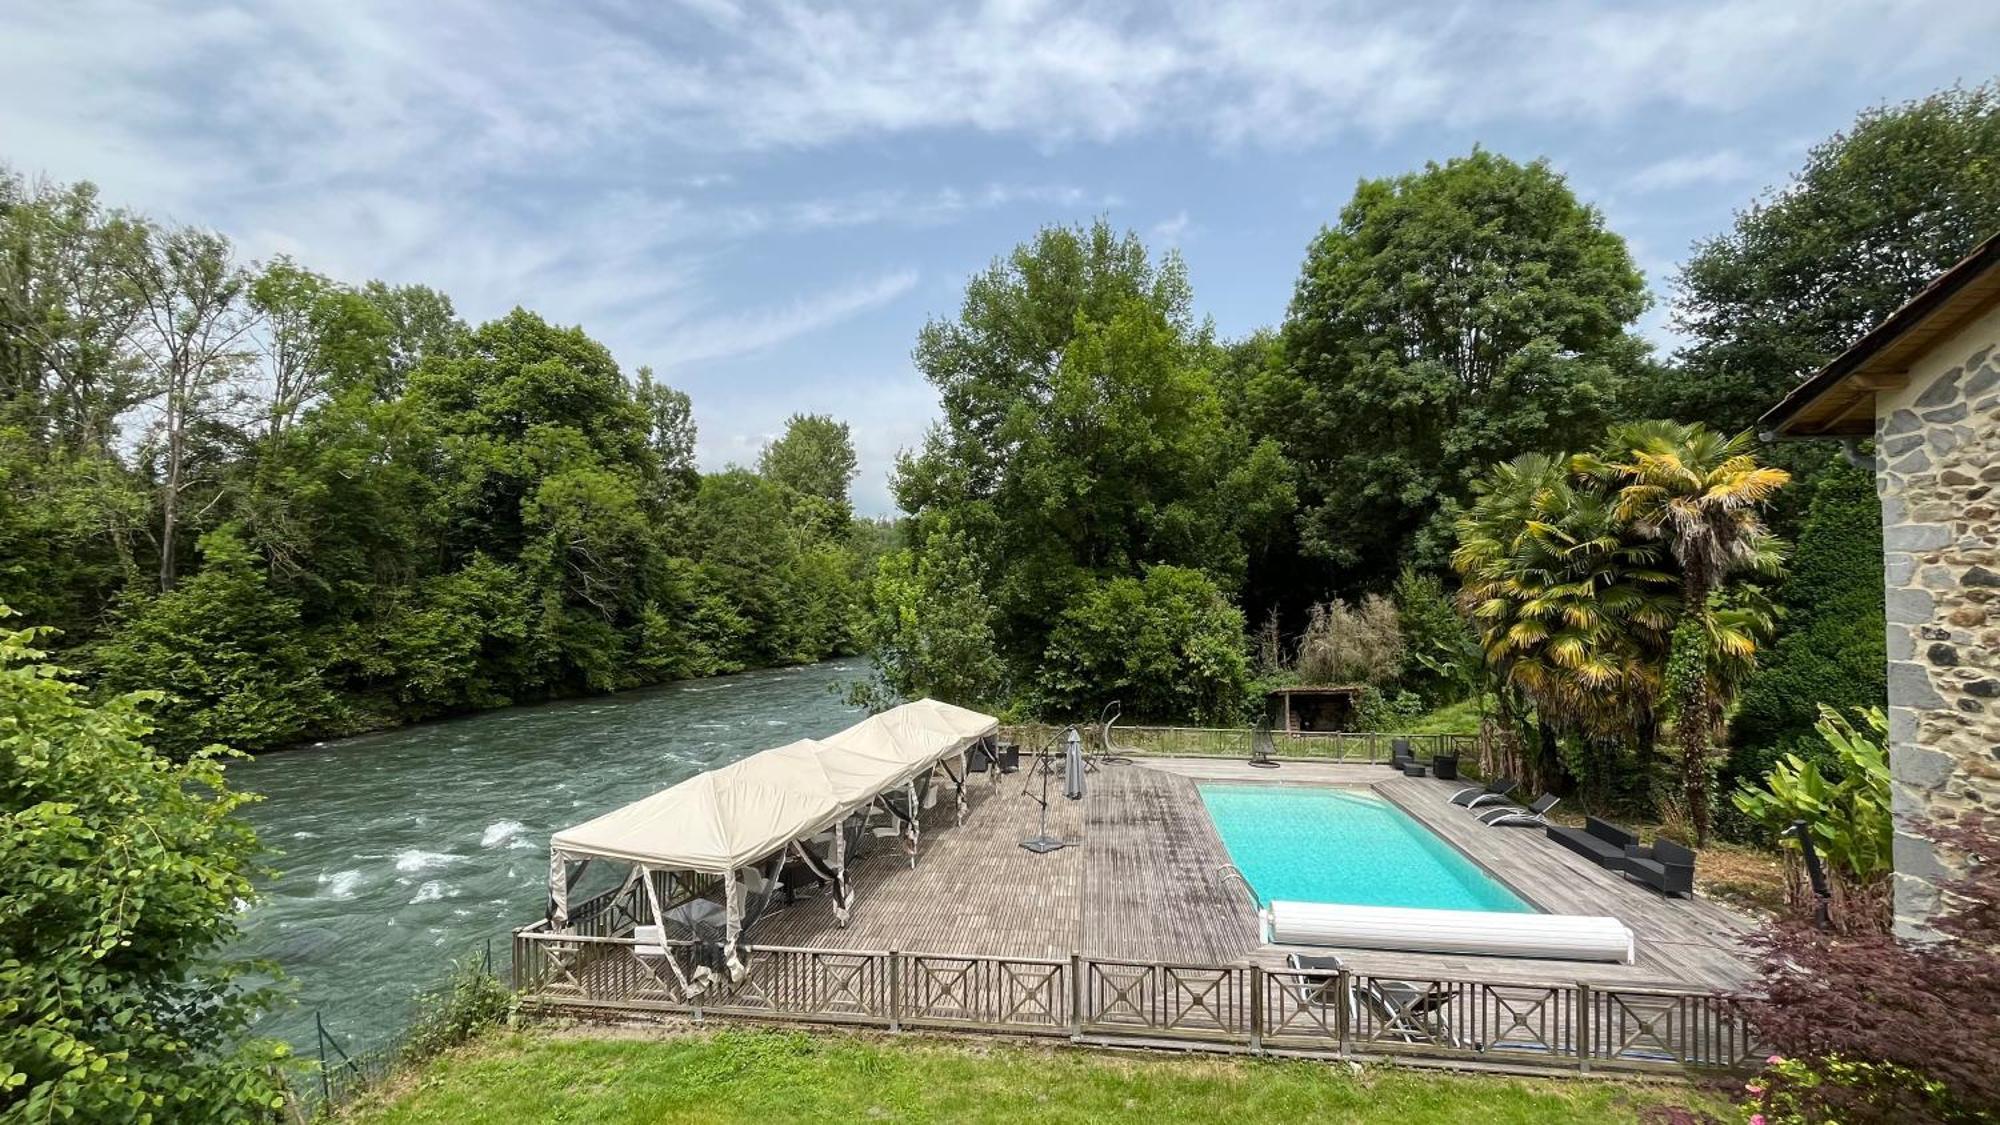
1702,495
1571,610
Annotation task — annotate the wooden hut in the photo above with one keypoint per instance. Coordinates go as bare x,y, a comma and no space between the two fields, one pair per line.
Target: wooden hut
1313,707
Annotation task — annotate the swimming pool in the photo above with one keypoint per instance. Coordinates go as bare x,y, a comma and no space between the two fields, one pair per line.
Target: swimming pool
1310,844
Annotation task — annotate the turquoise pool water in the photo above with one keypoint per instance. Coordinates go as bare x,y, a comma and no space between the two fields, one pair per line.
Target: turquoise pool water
1334,845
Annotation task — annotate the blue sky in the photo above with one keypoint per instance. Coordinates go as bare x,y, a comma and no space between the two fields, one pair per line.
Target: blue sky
765,202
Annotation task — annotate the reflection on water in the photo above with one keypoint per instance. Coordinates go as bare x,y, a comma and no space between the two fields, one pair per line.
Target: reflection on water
399,851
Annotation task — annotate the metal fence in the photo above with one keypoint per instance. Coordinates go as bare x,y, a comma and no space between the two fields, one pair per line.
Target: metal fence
1236,742
1529,1027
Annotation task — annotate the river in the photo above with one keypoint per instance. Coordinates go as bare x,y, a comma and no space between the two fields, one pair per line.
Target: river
399,851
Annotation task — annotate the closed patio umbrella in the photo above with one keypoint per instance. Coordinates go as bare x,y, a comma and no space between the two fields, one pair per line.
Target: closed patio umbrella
1073,767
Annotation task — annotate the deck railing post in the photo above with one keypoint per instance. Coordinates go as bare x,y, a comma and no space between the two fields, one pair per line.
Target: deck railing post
1583,1027
1343,1025
895,991
1256,1007
1075,996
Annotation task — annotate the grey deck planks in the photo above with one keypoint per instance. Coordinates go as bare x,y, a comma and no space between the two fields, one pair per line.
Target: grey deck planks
1145,884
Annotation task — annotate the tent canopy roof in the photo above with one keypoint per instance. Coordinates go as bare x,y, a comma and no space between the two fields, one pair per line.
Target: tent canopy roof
736,815
719,820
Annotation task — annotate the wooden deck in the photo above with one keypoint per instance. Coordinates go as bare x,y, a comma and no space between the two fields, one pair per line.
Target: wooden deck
1146,882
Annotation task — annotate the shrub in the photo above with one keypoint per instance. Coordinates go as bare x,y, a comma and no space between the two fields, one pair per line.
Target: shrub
1831,649
1847,816
1441,654
121,874
469,1000
1168,646
1351,645
1874,1028
229,655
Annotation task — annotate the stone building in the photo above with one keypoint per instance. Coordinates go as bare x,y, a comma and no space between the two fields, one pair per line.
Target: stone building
1925,384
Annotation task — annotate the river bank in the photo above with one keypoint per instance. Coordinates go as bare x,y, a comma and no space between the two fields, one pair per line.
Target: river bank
401,849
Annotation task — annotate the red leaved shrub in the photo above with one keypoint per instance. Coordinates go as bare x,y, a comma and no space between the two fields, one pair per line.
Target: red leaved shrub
1923,1018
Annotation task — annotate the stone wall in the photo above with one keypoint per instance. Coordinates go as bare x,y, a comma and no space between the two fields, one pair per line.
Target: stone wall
1938,471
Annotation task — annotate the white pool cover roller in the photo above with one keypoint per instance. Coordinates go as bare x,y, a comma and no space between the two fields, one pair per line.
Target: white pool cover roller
1560,937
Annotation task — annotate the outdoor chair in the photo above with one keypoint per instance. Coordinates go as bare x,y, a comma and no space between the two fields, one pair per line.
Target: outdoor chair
1598,841
1263,748
1497,789
1516,816
1402,1010
1665,866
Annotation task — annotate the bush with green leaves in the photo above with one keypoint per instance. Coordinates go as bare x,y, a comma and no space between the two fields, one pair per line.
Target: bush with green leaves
227,652
122,873
1166,646
930,628
1830,650
469,1000
1846,813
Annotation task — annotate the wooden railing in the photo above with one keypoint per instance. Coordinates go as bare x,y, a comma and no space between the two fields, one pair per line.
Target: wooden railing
1235,742
1341,1014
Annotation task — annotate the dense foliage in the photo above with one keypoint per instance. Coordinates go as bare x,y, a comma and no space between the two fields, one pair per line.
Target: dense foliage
298,507
121,874
1875,213
1875,1028
1601,588
1085,456
1831,651
1451,318
1846,814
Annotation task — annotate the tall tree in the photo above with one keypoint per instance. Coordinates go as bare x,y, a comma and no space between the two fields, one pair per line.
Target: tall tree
1832,651
1877,211
191,300
1451,318
1702,496
814,461
67,314
1082,436
1573,611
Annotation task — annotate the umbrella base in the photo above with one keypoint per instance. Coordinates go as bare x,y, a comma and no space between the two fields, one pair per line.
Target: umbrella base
1043,845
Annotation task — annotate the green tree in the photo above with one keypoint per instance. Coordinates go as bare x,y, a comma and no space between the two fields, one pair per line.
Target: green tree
1877,211
1082,436
1702,496
1831,653
121,875
1167,645
1440,648
226,654
1452,318
1572,609
814,462
930,627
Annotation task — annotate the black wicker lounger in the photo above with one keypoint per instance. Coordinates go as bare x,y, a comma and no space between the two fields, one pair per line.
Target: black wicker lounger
1598,841
1665,866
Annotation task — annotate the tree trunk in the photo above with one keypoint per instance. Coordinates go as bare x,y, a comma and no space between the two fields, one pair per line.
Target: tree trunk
171,494
1696,704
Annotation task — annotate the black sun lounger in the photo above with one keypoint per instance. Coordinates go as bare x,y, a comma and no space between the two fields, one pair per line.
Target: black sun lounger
1493,792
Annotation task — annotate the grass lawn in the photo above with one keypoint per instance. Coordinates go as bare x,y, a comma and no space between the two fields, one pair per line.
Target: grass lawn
771,1077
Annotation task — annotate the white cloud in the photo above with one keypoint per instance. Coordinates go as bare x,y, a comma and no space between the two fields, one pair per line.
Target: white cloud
743,333
1723,166
1170,231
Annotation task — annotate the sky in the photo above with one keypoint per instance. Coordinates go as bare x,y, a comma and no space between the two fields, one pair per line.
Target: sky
764,203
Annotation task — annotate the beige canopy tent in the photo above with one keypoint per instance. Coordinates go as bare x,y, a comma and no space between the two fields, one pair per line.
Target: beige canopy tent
730,820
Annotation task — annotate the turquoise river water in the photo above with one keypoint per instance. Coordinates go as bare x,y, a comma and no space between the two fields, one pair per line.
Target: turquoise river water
399,851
